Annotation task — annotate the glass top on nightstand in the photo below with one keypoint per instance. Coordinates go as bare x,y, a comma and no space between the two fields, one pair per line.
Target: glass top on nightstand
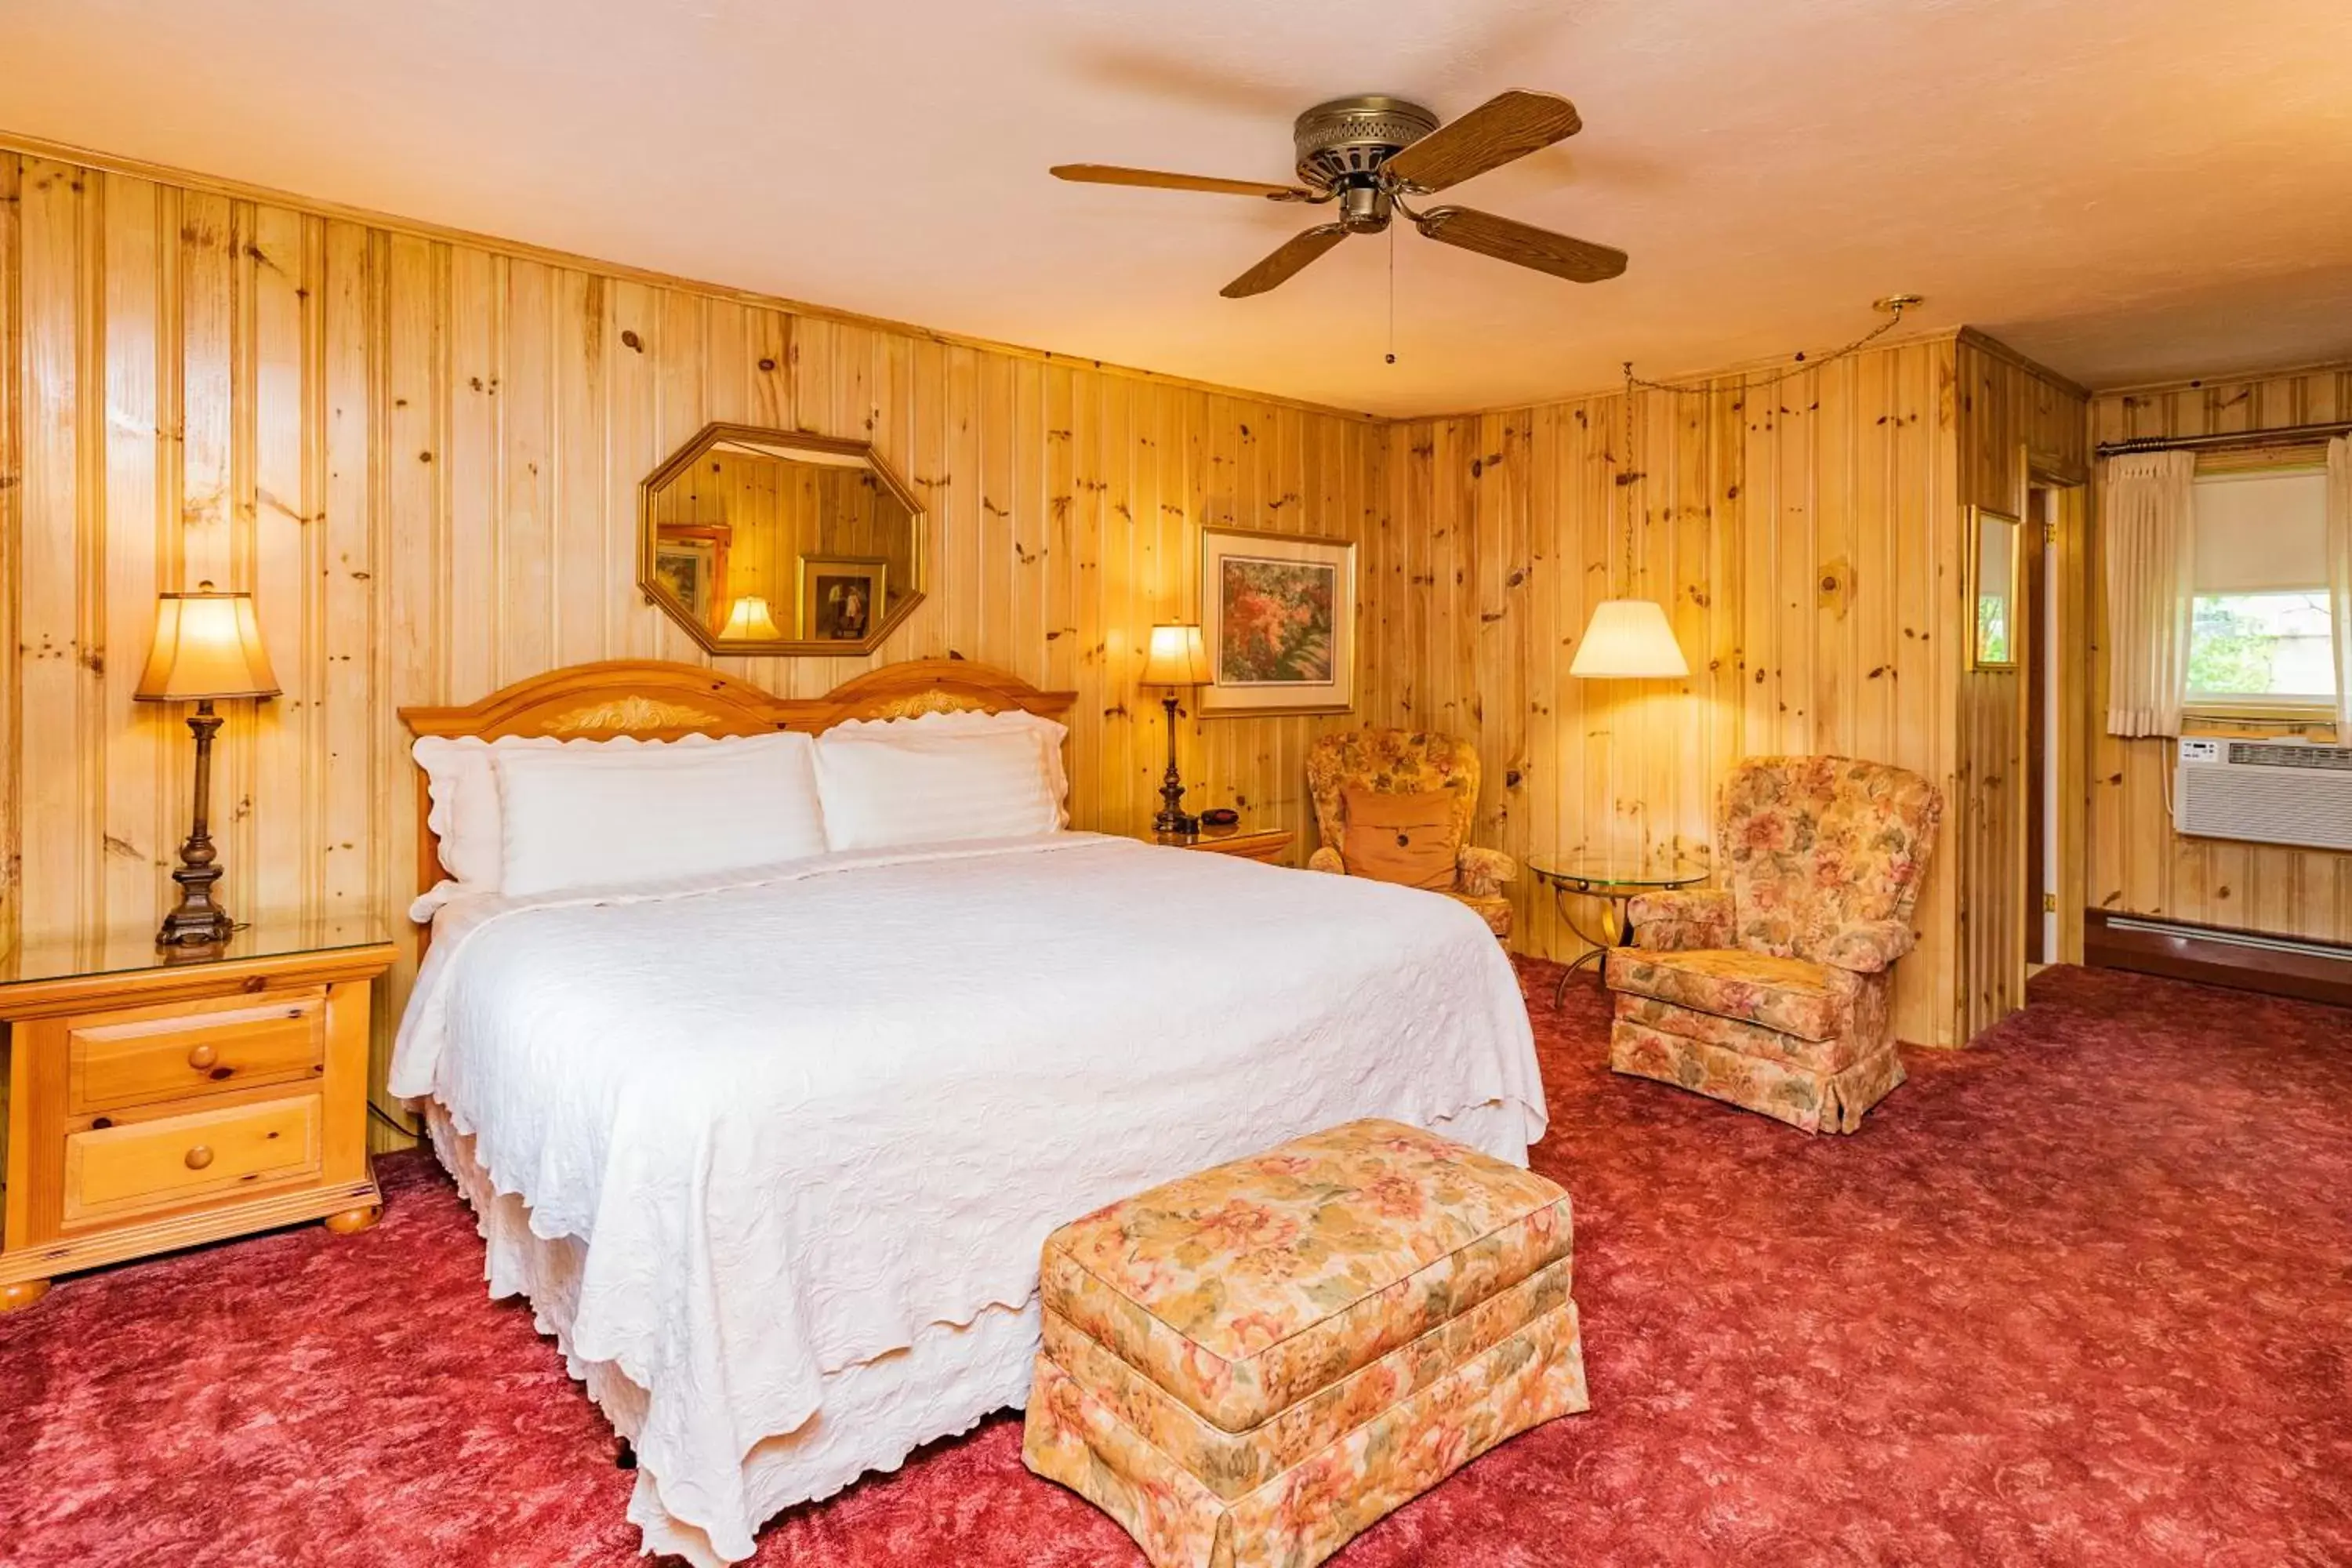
122,950
1610,873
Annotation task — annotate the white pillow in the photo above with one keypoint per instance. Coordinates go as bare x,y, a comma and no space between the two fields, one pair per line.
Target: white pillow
576,817
464,793
906,783
1048,735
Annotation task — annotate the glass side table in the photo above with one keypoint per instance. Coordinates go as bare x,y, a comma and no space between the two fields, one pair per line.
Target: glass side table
1618,881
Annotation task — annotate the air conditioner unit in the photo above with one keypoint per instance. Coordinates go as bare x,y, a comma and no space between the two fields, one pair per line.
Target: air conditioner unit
2266,792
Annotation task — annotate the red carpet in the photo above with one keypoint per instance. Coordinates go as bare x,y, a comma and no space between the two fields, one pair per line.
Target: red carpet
2082,1295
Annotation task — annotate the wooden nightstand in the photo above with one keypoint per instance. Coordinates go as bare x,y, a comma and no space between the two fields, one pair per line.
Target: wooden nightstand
157,1101
1269,845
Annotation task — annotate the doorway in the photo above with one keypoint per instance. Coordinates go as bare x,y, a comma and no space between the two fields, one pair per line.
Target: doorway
2041,702
2055,874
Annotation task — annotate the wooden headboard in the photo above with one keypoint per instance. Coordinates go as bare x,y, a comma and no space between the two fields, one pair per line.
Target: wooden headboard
655,700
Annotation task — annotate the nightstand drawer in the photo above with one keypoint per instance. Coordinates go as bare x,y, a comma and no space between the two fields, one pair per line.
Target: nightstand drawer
150,1055
113,1171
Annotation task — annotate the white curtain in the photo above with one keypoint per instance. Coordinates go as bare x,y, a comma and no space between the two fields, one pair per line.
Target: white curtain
2149,535
2339,577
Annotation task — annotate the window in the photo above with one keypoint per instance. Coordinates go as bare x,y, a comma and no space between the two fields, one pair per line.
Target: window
2259,636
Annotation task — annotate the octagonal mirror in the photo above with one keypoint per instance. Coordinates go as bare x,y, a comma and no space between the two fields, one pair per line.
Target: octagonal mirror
772,542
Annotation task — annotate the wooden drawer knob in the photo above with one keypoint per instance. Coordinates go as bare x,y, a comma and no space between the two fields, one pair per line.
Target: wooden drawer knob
203,1057
199,1157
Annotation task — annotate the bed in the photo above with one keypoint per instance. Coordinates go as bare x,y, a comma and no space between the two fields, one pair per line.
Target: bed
770,1153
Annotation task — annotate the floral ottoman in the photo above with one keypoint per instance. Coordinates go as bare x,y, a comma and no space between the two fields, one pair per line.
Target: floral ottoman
1248,1366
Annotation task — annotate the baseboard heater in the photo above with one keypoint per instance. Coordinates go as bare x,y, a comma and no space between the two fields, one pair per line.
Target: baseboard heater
2220,955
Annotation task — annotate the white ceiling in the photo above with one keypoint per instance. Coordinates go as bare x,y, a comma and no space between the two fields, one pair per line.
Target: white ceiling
2123,189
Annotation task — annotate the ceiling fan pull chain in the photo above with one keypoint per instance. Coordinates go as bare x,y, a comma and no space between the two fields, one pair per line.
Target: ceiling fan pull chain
1626,475
1391,294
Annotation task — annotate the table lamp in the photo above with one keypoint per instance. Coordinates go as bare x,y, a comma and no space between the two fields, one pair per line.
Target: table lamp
1178,661
750,621
207,649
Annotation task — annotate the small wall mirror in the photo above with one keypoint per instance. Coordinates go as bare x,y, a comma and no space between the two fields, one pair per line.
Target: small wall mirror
770,541
1993,557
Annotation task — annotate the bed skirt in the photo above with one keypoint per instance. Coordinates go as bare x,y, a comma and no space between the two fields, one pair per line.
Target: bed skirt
875,1413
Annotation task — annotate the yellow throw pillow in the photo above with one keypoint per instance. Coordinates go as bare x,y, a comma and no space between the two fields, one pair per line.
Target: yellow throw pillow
1404,838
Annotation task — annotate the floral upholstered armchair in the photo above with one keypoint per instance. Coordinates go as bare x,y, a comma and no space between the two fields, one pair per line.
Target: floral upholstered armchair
1410,762
1773,992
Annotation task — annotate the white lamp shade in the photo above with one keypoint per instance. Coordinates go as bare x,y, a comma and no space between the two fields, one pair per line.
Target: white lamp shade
750,621
1177,658
1629,639
208,646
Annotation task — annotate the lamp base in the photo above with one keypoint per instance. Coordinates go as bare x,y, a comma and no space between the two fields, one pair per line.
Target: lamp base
1173,818
197,920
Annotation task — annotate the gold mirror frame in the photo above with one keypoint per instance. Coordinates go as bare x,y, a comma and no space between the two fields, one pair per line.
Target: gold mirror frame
831,452
2006,655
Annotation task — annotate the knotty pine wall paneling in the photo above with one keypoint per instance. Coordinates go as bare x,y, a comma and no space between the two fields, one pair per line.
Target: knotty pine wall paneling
2138,865
2013,421
1803,537
421,453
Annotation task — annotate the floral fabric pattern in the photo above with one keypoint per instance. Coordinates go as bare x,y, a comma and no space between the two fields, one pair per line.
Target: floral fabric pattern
1733,1034
1774,992
1244,1289
1787,995
1248,1366
1812,847
1867,948
1231,1464
1484,873
1495,912
1301,1515
1409,762
1670,923
1811,1100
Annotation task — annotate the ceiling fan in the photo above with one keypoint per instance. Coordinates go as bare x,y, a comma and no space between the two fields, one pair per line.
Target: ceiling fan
1368,153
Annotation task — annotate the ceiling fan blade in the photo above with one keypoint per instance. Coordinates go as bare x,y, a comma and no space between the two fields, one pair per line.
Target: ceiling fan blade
1523,244
1508,125
1289,259
1111,175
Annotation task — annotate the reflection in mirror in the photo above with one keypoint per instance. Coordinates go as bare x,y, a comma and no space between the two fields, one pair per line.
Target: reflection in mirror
767,541
1993,563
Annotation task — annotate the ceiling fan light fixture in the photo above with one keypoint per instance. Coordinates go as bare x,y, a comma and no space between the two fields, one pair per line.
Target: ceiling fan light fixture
1366,153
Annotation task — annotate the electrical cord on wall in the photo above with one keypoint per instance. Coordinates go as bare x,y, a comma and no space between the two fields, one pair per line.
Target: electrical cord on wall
391,1120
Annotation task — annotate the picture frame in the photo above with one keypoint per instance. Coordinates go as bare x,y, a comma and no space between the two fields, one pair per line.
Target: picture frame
690,565
842,597
1278,619
1996,552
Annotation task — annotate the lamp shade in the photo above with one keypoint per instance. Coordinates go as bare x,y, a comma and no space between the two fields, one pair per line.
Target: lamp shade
208,646
750,621
1177,658
1629,639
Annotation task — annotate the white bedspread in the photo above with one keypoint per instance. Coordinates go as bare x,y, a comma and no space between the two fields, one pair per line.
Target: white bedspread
798,1118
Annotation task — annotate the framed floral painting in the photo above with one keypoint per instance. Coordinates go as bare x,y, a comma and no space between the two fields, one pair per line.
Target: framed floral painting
1278,615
